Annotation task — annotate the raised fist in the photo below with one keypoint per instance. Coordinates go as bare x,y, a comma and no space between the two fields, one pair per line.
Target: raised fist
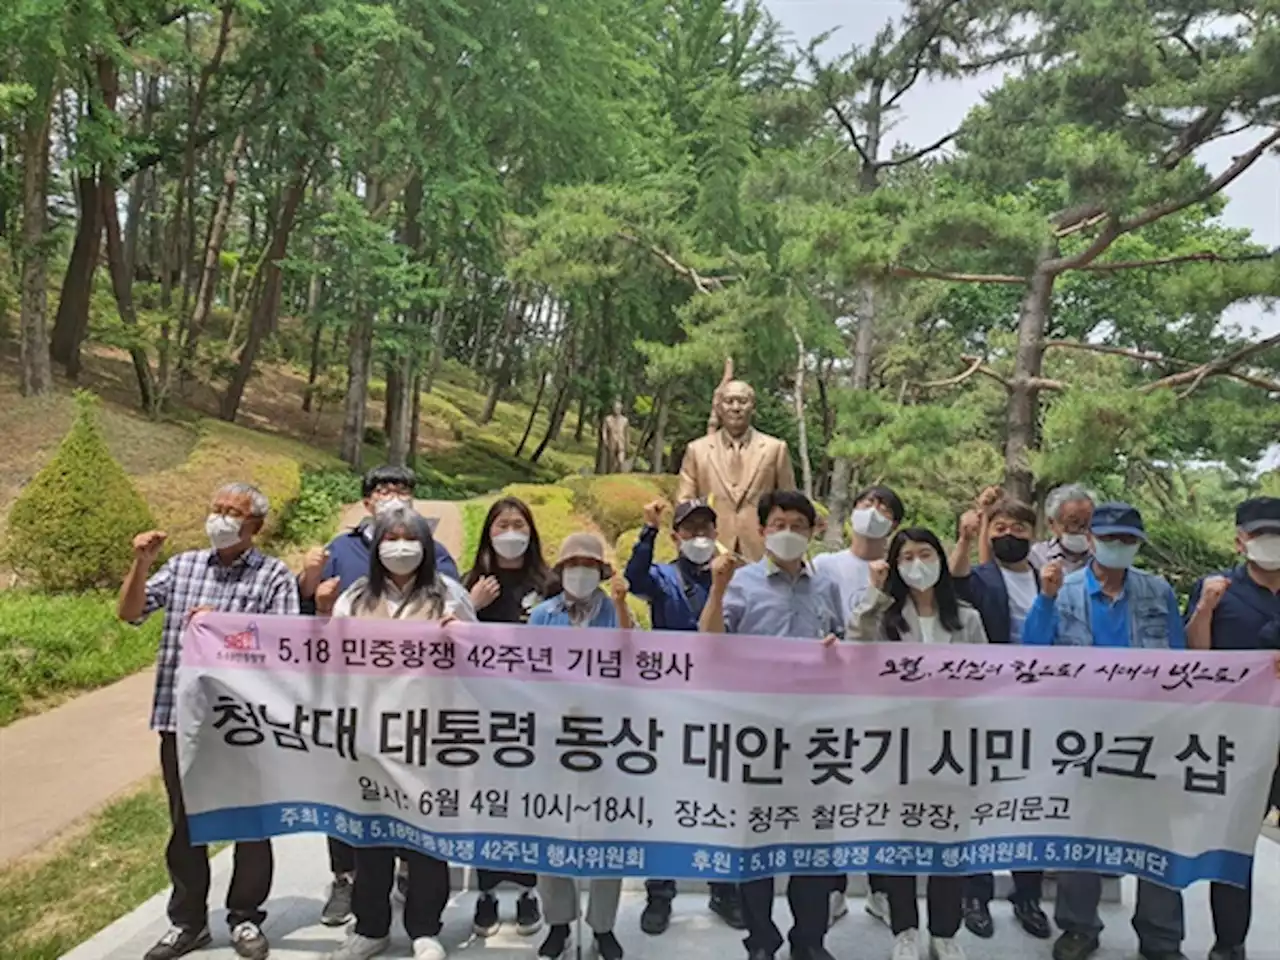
723,568
147,546
1051,579
1212,591
327,595
618,587
879,574
653,513
313,564
970,526
989,496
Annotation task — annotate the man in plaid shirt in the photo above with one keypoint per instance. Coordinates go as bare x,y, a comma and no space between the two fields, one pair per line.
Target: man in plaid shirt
230,577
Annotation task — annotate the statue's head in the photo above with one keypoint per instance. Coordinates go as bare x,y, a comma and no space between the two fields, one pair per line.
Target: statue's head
735,406
617,408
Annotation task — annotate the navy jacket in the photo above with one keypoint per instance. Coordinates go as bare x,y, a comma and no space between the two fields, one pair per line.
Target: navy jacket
664,586
985,589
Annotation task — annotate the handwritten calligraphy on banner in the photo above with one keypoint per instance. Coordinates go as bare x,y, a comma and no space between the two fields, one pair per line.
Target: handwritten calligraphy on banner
616,753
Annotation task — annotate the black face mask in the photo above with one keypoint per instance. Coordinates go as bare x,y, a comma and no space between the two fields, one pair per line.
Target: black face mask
1010,549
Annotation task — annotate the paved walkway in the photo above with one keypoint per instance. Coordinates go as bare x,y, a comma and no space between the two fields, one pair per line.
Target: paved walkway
58,766
446,516
302,873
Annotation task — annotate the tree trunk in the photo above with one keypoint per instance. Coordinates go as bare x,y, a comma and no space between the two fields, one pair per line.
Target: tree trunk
391,402
138,188
122,286
415,418
533,413
360,344
659,448
72,323
33,347
560,406
399,430
212,254
264,311
314,290
802,429
1021,418
840,497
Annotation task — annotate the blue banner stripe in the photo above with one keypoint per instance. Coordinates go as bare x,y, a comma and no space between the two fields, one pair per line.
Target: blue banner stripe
680,861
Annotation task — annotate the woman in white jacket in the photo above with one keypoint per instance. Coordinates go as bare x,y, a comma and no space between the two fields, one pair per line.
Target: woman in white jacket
912,599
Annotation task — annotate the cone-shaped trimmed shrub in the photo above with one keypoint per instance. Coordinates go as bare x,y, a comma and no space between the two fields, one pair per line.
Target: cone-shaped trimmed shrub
73,525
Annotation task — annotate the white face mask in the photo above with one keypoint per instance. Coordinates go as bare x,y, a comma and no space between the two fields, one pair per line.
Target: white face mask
1077,543
698,551
223,532
387,504
920,574
786,546
401,557
871,523
1115,555
1264,550
580,582
511,545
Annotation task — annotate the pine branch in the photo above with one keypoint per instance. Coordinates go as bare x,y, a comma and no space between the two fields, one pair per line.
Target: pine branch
700,283
1220,367
917,154
911,273
1204,256
956,380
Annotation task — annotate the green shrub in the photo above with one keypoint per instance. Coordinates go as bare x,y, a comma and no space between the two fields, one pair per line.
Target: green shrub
310,517
1183,552
71,527
664,551
56,645
617,502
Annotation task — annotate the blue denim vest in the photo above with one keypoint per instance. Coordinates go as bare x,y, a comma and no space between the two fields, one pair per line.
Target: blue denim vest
1148,599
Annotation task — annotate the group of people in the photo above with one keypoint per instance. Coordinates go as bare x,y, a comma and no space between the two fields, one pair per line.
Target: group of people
893,584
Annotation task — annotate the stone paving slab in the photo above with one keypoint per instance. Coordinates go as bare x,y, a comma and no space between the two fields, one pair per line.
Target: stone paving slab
302,875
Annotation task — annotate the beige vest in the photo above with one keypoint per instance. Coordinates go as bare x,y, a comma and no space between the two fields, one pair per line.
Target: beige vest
422,605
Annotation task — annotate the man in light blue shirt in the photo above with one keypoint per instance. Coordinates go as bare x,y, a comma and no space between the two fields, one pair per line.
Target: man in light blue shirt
1109,604
780,596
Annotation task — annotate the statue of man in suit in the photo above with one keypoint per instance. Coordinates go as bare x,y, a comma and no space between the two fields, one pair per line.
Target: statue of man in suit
733,467
617,438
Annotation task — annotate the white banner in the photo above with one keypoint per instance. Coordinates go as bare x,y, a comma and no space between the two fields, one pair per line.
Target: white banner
616,753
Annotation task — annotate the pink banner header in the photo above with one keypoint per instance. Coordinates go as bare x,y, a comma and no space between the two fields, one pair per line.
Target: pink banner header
722,662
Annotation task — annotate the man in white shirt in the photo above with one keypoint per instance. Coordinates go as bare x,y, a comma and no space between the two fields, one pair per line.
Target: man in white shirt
877,512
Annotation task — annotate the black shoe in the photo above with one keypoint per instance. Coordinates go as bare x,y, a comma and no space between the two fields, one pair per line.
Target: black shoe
337,909
811,953
761,954
608,947
1228,953
557,942
528,914
1074,946
1161,954
977,919
1033,919
178,943
486,922
728,907
656,916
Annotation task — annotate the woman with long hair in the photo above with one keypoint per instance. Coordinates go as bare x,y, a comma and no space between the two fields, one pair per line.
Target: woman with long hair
402,584
507,580
912,599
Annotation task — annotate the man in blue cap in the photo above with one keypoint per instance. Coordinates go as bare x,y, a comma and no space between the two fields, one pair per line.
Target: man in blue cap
676,593
1110,604
1240,610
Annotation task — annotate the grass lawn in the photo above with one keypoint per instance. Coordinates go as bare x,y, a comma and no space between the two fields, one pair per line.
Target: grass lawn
55,646
59,897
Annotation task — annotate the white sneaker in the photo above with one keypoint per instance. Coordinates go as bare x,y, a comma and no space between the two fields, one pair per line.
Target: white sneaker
945,948
906,946
877,906
428,948
361,948
1273,818
839,907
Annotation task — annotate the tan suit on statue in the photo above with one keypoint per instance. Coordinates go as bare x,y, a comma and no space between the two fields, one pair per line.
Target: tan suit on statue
734,476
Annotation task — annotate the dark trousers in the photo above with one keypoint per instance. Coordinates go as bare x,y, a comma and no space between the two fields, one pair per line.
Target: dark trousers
489,879
666,890
1232,909
342,857
810,900
1027,886
189,865
425,899
942,894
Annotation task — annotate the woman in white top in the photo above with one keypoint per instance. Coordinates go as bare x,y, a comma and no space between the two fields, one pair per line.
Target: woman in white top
402,585
912,599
